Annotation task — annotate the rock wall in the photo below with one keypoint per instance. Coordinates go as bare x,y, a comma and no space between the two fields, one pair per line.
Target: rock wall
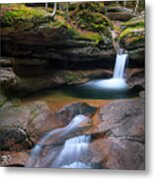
45,52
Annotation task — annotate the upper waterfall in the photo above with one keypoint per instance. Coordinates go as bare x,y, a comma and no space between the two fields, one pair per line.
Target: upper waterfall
120,63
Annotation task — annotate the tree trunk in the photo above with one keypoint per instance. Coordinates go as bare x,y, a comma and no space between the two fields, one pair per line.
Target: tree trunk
136,7
54,10
67,10
125,1
46,5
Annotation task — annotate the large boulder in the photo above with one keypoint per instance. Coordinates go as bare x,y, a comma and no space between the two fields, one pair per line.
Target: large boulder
68,112
117,142
123,118
117,153
121,140
23,125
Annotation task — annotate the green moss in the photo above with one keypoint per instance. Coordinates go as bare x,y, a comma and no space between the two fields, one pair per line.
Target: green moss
83,35
131,32
134,23
91,20
74,31
93,25
86,24
21,13
132,37
91,6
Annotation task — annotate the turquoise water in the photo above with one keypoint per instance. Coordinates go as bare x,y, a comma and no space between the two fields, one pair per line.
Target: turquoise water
87,91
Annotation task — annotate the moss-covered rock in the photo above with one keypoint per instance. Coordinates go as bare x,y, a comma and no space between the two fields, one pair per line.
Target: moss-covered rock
13,14
89,26
95,23
90,6
120,16
134,22
133,33
132,37
78,34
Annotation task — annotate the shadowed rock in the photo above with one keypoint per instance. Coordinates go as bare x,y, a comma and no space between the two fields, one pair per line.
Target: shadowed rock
22,125
70,111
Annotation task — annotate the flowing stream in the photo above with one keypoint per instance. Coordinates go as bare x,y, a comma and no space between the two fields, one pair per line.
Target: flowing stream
75,149
73,152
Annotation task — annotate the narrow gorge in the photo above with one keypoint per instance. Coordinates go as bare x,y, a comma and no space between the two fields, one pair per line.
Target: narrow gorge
73,85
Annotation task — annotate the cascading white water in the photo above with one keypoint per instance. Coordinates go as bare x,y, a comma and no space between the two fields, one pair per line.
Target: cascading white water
77,164
74,150
56,134
118,80
120,66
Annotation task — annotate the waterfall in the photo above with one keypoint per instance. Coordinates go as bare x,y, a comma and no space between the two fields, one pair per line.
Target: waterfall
117,82
120,66
77,164
73,152
56,135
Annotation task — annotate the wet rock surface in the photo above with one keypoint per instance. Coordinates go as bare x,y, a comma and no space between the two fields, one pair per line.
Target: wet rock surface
117,139
70,111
